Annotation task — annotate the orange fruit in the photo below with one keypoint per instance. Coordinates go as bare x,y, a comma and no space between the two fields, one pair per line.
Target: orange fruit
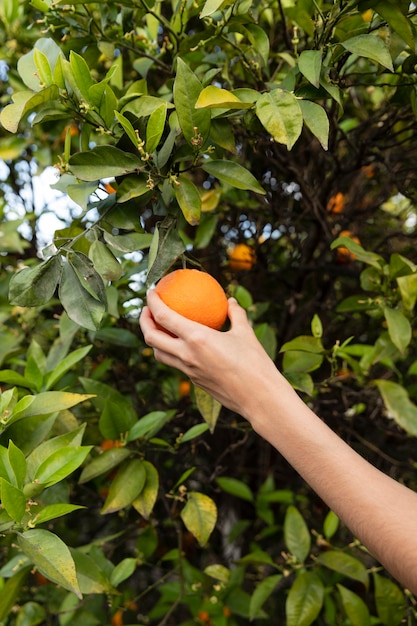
109,188
336,203
195,295
241,257
184,388
343,255
117,618
108,444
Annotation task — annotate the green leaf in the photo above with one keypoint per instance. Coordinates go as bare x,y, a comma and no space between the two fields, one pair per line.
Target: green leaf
130,242
125,487
188,198
104,261
280,114
51,557
116,419
218,572
91,577
300,362
123,571
149,425
213,97
43,451
80,305
356,609
103,162
13,500
23,103
399,328
81,79
53,511
43,69
45,403
64,366
60,464
145,502
390,601
35,286
304,600
400,23
211,6
262,592
309,63
259,40
330,524
371,258
398,404
127,126
102,96
104,464
235,487
371,47
304,343
38,64
208,407
167,249
233,174
267,337
296,534
155,128
10,592
345,564
17,464
315,118
194,431
194,122
408,289
199,516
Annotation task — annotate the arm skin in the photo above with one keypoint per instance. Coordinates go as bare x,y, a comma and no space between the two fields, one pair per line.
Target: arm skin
233,367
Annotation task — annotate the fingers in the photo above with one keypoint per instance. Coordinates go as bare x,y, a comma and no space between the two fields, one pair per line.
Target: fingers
171,321
237,315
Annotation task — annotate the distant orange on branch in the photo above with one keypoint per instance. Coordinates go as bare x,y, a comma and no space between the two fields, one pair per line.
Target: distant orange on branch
336,203
343,255
196,295
241,257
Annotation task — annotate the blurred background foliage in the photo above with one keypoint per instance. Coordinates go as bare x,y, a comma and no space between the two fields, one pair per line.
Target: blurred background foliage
272,144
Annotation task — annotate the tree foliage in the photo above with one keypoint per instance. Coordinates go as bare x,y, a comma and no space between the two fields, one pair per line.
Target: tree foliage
179,129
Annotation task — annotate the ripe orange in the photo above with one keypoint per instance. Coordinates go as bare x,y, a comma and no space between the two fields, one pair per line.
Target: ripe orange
343,255
195,295
241,257
336,203
184,387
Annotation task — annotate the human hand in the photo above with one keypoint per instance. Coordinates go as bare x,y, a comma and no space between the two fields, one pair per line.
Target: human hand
230,366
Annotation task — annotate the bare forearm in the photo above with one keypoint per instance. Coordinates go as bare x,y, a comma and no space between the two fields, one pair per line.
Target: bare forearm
381,512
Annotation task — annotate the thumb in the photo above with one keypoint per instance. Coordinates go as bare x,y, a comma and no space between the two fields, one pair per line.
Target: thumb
237,315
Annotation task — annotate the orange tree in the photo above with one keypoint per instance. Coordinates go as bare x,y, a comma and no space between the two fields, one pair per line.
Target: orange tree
179,130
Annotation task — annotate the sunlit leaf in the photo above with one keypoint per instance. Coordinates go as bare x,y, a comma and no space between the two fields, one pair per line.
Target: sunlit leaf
199,516
51,557
305,599
208,406
145,501
188,198
280,114
399,405
103,162
194,123
233,174
125,487
370,46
